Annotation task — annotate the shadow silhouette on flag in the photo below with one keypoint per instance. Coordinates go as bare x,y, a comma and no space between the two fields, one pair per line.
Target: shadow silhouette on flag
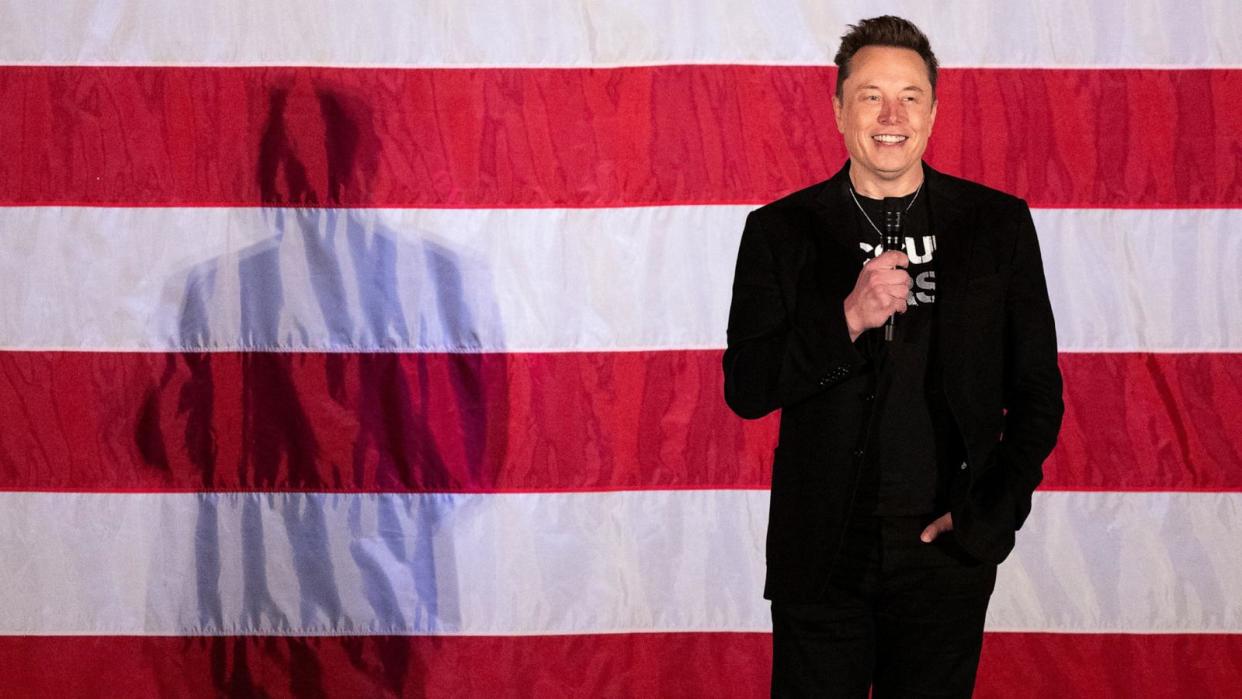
388,311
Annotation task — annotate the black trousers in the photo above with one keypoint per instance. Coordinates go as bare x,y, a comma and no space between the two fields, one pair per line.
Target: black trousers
899,614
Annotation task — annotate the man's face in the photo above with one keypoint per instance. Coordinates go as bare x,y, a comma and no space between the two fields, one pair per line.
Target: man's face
885,112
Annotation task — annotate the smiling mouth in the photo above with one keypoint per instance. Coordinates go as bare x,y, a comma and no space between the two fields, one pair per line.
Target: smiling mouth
889,139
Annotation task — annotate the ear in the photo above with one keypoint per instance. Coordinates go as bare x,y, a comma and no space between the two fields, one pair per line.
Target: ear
837,113
931,118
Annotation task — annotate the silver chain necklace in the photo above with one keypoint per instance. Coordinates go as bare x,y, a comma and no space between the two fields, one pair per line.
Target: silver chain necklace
864,211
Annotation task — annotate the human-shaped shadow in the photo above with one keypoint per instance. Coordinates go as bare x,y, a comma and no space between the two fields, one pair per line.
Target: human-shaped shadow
334,278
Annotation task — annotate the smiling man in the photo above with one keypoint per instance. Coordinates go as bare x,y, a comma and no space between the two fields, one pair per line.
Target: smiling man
899,319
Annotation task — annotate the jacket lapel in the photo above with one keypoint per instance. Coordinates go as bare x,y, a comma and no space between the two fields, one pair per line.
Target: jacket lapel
952,219
834,214
949,219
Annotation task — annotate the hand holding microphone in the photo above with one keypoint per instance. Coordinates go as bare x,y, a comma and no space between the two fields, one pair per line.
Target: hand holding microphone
879,292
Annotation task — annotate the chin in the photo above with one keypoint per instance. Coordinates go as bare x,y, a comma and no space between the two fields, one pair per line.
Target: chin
892,172
891,162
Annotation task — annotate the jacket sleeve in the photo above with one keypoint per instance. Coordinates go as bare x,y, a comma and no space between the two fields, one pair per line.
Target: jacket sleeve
1000,499
787,338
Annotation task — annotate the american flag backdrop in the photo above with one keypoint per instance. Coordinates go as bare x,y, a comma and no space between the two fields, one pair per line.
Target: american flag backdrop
366,349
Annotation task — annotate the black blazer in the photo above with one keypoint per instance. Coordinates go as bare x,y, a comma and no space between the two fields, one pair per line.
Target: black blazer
789,349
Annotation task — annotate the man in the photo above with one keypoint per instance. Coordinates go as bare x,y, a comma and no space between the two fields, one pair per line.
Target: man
905,465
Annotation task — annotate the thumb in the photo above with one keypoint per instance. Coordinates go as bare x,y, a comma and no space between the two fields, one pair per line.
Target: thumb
929,534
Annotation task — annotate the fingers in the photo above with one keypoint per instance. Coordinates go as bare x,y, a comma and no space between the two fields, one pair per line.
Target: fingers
891,276
890,298
895,297
882,289
892,288
890,260
941,524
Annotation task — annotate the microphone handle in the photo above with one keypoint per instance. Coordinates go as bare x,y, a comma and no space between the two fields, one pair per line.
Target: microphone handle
892,241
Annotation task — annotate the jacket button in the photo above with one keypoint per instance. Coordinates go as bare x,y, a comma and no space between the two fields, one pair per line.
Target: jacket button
858,453
963,465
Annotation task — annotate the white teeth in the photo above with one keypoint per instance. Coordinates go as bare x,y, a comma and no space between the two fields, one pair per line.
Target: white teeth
887,138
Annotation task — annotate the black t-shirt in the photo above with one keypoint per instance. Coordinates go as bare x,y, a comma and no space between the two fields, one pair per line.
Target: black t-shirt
912,440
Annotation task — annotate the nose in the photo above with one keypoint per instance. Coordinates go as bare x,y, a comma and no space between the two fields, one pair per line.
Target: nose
890,111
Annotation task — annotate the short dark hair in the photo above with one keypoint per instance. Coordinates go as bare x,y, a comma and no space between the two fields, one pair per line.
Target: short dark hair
884,31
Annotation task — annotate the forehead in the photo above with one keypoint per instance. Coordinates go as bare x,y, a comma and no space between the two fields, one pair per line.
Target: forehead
887,66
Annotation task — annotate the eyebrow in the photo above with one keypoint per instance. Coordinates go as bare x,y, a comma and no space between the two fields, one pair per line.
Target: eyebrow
909,87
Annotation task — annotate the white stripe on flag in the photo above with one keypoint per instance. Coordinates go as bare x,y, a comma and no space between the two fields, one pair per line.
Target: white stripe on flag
641,278
1135,562
1055,33
553,563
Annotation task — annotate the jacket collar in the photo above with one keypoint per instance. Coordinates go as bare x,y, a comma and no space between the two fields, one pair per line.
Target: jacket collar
944,192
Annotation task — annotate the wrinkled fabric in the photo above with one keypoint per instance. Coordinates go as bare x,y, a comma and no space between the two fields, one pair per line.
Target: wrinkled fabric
525,421
422,280
374,350
175,564
668,135
554,563
612,32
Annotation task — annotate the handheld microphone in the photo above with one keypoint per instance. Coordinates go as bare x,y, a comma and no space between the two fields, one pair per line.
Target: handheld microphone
892,241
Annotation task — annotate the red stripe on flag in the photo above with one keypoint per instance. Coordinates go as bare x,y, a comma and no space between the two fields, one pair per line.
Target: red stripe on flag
516,422
639,665
1013,665
512,137
1016,665
382,421
1149,422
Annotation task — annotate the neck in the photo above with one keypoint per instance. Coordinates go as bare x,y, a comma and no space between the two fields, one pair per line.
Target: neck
877,188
